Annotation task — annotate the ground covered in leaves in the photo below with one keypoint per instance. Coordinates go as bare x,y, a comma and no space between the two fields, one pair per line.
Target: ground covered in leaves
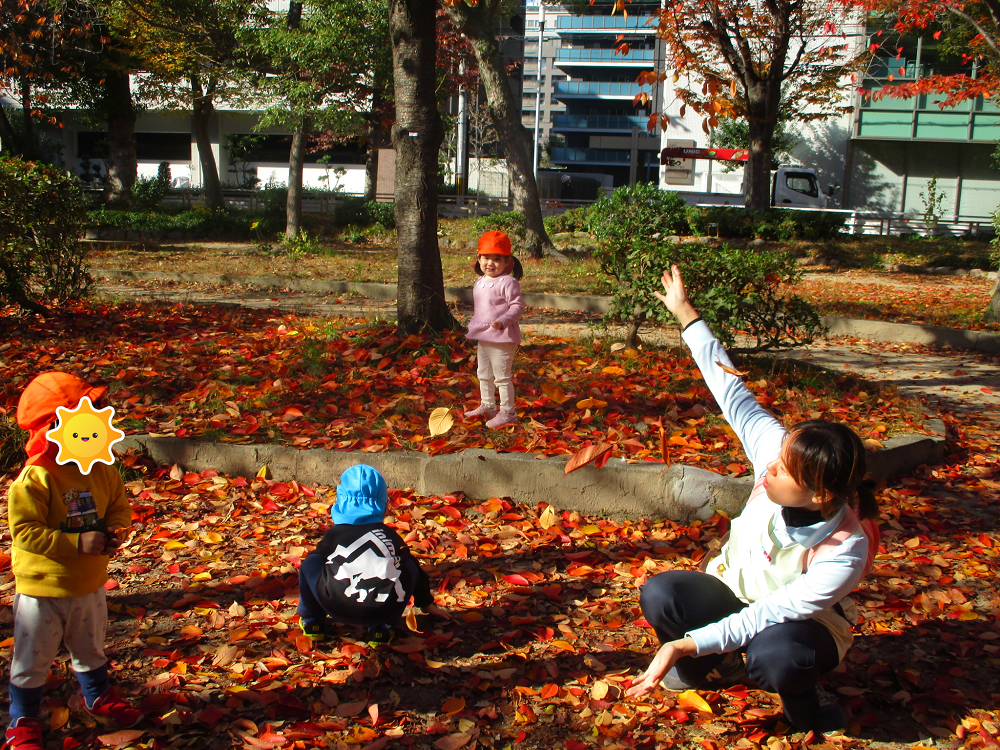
247,376
948,301
535,631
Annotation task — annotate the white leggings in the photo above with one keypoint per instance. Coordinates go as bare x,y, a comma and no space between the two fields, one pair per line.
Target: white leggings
42,623
496,365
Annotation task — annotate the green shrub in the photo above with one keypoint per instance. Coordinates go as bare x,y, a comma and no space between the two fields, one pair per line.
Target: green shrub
635,211
778,224
42,214
357,211
511,222
148,194
12,442
736,290
574,220
200,223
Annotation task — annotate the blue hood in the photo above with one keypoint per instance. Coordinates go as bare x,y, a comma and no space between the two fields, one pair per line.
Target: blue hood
361,497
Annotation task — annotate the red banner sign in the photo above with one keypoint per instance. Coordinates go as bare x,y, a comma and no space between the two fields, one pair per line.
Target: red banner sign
689,152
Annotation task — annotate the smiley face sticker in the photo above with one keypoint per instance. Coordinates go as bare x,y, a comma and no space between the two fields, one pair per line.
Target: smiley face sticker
85,435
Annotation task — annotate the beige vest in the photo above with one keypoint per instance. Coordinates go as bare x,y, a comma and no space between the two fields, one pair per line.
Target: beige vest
753,564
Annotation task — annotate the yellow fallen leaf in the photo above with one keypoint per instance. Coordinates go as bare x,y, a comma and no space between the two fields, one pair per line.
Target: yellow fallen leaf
691,699
213,537
174,544
440,421
591,403
613,370
548,518
264,472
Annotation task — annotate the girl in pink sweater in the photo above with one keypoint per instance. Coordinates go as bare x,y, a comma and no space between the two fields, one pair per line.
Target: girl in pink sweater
497,307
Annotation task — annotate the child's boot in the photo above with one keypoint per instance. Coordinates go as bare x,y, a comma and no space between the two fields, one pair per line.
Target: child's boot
502,419
487,412
24,734
379,635
110,706
314,630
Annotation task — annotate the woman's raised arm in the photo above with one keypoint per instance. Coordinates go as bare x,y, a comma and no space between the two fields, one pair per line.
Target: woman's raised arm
759,432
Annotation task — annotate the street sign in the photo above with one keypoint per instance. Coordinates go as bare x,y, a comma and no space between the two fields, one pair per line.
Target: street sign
718,154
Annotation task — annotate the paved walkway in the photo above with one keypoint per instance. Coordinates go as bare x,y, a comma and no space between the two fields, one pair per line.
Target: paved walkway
951,379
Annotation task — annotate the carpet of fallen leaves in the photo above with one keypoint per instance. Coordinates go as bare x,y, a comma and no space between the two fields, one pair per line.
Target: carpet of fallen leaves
535,630
948,301
245,376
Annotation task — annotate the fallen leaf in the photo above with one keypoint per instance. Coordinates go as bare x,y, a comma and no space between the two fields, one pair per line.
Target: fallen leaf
440,421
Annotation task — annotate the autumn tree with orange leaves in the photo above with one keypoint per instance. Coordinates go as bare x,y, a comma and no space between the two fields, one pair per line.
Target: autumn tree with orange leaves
758,60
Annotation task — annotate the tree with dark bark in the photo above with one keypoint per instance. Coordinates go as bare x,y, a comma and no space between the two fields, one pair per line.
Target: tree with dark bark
190,50
43,47
756,60
416,135
317,69
477,22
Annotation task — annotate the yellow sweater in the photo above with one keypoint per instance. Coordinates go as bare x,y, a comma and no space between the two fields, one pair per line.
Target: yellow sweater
48,507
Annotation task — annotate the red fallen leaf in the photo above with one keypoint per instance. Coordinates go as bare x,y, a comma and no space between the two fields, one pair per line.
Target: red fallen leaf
120,737
109,585
521,736
191,478
453,741
587,454
550,691
517,580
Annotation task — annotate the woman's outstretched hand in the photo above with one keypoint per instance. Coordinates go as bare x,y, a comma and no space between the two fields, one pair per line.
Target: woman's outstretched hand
662,663
675,296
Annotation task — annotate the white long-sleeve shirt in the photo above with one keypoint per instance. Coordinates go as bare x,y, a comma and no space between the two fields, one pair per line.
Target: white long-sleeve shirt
828,579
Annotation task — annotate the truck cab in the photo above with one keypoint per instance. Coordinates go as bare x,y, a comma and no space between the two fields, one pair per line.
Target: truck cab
796,187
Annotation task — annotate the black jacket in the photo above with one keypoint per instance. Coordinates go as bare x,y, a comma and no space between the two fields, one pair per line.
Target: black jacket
369,574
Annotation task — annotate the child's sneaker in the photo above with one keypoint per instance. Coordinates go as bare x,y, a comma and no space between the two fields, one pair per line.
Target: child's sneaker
380,635
502,419
24,734
313,630
482,411
110,706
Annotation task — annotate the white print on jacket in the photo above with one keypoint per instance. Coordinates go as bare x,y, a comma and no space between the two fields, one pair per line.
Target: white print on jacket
370,558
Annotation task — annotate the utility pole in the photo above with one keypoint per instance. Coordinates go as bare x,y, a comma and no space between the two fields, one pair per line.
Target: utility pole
538,85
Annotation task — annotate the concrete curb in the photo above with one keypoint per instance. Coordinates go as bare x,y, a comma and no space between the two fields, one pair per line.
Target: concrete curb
370,290
619,490
873,330
877,330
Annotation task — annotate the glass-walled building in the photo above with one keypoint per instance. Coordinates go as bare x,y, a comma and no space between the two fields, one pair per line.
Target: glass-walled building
898,145
588,122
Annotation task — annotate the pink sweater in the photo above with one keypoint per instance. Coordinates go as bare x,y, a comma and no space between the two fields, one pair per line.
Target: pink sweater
496,299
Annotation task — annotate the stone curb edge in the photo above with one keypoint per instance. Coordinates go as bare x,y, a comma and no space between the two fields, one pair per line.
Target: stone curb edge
873,330
619,490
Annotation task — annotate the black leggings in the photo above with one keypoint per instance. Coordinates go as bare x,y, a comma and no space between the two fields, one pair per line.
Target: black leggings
786,659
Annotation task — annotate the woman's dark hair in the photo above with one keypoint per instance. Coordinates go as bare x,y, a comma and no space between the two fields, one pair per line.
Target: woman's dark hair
828,458
517,271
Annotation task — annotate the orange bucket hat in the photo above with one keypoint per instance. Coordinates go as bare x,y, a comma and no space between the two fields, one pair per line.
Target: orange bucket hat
36,409
494,243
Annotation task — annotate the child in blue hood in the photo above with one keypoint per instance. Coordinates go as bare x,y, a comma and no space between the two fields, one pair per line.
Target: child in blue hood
361,572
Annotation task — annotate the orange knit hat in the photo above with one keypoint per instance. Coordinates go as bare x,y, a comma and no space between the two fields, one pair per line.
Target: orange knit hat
36,409
494,243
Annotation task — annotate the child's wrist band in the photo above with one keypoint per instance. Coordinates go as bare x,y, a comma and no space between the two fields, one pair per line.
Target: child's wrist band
691,324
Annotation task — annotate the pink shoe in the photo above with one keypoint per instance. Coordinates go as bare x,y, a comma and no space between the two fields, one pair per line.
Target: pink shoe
502,419
110,706
482,411
25,734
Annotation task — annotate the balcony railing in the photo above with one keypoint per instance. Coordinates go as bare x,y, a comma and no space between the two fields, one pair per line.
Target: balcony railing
596,88
592,155
598,122
600,23
605,56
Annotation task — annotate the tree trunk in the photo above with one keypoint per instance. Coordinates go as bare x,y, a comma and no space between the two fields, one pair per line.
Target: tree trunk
122,164
993,311
296,160
632,334
203,107
762,116
8,136
374,144
28,146
417,136
476,22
